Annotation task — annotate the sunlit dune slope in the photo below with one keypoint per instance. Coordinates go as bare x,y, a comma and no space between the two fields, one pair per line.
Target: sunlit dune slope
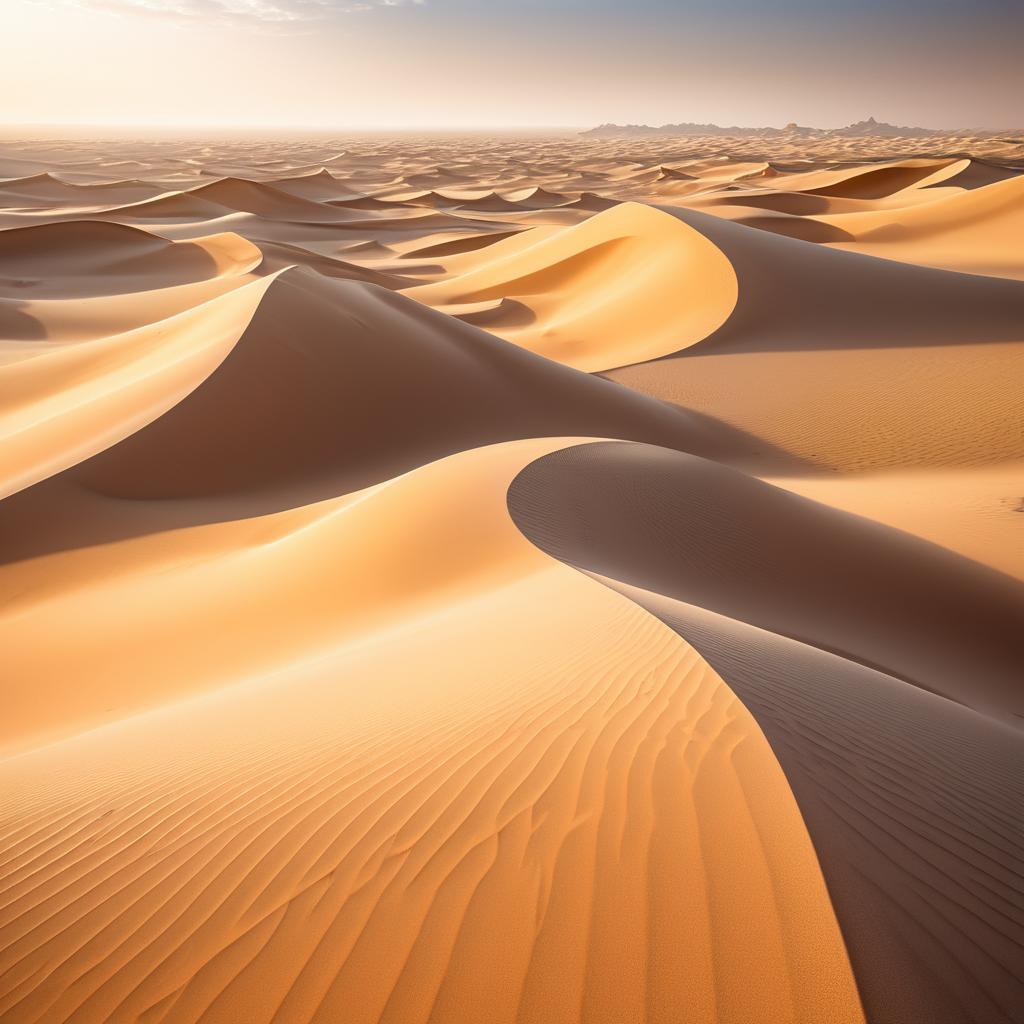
976,231
368,832
627,285
68,402
872,363
909,800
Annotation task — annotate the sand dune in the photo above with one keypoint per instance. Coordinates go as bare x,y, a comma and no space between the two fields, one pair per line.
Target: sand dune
976,231
973,510
169,207
624,286
713,537
44,322
69,402
266,201
874,182
458,245
398,874
784,290
546,580
333,385
317,184
974,173
47,190
874,363
905,796
923,884
856,410
75,258
796,295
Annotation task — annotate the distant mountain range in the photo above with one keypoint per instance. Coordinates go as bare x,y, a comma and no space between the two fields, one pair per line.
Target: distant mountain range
867,128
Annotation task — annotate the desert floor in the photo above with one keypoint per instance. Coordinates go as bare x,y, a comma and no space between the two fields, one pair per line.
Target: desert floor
511,579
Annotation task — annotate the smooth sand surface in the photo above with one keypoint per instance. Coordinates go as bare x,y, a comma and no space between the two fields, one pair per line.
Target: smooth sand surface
446,579
594,295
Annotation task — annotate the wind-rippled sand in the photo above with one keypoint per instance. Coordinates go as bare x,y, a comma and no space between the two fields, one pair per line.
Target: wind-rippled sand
536,579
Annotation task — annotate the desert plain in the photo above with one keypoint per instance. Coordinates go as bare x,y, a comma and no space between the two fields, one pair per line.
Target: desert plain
537,579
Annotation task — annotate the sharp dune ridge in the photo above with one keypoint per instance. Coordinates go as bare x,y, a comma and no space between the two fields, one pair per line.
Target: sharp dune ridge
890,777
58,260
567,581
715,537
926,888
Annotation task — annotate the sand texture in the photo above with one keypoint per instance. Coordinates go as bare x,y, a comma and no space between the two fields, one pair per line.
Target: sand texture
544,580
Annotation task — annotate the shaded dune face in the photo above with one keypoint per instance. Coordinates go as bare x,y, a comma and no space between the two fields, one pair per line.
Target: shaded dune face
449,582
889,775
873,363
889,781
796,296
351,383
73,258
714,537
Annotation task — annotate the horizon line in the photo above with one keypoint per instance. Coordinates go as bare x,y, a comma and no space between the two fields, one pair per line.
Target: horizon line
475,128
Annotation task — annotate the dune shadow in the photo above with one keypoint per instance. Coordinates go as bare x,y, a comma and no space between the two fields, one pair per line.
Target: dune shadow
507,313
16,324
797,296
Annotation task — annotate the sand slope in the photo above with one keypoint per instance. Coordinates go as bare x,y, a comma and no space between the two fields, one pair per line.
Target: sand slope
908,800
333,385
624,286
908,797
74,258
873,363
699,532
68,402
375,855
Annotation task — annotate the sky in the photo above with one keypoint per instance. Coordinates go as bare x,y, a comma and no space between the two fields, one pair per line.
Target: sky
510,63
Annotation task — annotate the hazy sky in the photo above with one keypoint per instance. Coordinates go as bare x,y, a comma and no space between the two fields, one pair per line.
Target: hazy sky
500,63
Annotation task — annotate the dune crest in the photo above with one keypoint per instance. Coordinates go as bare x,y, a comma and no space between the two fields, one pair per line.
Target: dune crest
623,287
70,402
922,885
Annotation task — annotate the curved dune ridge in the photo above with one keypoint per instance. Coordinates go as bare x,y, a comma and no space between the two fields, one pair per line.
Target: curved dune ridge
795,295
627,285
977,231
875,182
45,190
874,364
265,200
73,258
332,385
926,887
68,403
372,856
714,537
548,581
